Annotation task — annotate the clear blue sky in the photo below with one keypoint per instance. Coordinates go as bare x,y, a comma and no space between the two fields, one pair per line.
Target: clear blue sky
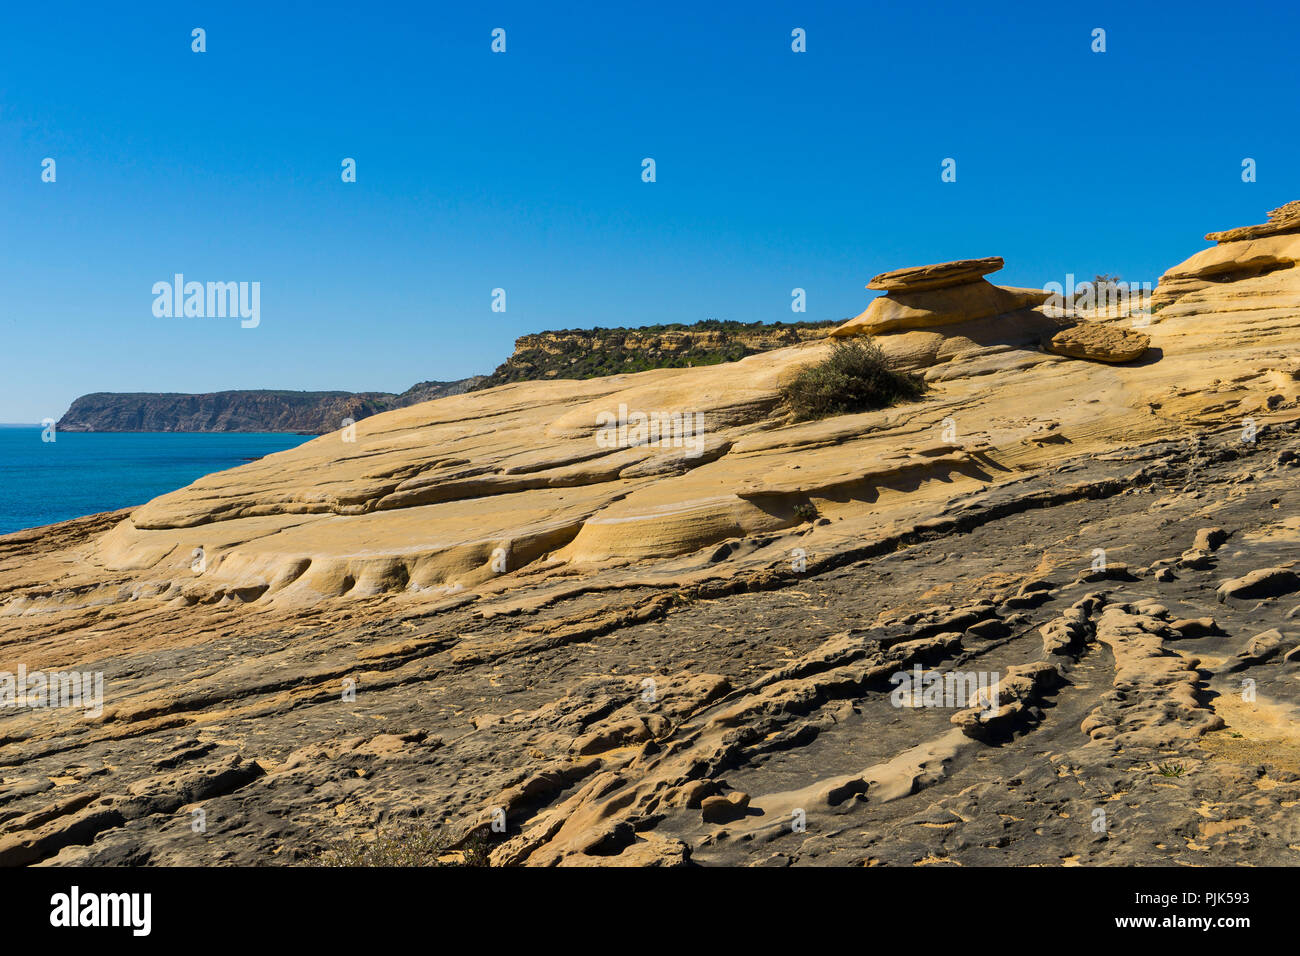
523,170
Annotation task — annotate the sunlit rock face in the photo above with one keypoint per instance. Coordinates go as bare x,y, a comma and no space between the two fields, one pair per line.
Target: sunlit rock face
1100,342
943,294
598,604
1250,269
552,479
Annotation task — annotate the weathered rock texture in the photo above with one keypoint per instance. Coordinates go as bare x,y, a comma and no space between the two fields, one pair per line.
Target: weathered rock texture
937,276
948,293
1100,342
1249,272
1281,221
595,643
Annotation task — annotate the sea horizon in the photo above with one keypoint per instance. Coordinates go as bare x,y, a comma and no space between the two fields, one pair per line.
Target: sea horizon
117,431
85,473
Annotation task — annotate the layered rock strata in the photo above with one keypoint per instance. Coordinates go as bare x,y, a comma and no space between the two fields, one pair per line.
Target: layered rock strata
503,603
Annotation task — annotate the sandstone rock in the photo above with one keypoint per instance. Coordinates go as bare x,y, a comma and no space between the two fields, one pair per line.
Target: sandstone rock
989,629
623,733
1209,539
694,793
1251,268
1017,693
1111,572
41,834
1196,559
1282,220
655,852
1264,647
1196,627
936,276
939,306
374,560
1037,584
725,809
1101,343
977,348
1263,583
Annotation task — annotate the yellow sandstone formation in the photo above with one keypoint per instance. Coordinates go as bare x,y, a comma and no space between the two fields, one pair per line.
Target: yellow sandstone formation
245,599
473,490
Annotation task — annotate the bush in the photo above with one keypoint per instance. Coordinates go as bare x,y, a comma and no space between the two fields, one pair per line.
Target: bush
855,377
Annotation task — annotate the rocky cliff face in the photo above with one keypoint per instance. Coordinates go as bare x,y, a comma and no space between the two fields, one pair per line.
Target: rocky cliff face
591,353
236,411
241,411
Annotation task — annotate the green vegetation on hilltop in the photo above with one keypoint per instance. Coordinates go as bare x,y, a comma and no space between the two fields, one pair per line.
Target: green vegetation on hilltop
596,352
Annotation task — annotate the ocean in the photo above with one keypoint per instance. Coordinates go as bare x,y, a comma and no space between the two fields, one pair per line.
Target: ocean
82,473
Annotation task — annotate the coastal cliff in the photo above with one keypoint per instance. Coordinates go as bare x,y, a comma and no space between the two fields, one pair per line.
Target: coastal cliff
241,411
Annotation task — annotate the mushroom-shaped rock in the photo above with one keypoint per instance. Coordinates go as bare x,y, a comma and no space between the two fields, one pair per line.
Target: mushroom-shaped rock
937,307
1100,343
936,276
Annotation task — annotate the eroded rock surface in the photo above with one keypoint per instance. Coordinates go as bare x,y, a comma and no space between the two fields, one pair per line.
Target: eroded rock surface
481,611
943,294
1100,342
936,276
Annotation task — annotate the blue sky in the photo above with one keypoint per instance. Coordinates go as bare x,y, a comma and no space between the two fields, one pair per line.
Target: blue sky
522,170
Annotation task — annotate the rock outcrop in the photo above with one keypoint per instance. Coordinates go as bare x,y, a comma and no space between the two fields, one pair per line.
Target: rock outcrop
946,320
1283,220
948,293
524,606
1100,342
936,276
1250,270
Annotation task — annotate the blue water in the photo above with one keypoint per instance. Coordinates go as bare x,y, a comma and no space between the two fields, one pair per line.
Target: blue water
80,474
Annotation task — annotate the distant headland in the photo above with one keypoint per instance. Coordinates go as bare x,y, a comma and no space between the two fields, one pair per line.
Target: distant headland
572,353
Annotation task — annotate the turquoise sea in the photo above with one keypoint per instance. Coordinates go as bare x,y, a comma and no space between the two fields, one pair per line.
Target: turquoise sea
82,473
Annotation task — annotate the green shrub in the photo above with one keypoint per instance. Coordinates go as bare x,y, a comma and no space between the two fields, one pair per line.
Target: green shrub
806,511
855,377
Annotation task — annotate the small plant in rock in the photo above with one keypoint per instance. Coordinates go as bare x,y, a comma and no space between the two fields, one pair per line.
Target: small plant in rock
807,511
1171,769
855,377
